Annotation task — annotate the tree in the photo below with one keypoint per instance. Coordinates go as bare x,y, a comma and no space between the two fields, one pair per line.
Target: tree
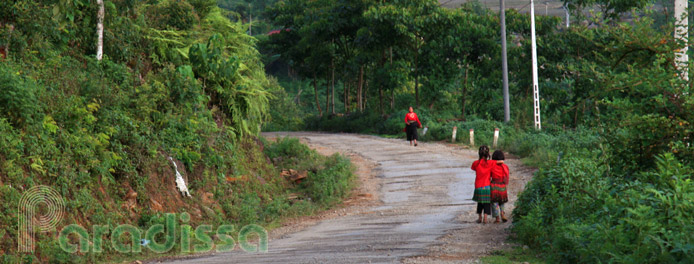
100,30
612,9
407,26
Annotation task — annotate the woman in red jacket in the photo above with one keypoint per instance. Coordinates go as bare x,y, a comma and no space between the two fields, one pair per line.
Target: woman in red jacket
499,196
411,125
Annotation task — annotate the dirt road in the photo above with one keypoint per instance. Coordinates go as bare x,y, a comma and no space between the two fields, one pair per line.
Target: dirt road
426,214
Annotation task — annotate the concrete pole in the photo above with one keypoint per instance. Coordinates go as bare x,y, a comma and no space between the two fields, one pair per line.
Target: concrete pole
536,90
504,62
496,137
472,137
681,34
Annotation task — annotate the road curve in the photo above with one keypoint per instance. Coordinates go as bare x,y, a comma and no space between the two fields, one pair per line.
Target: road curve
424,191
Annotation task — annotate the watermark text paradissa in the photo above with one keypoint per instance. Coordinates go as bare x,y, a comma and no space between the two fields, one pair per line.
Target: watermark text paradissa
42,209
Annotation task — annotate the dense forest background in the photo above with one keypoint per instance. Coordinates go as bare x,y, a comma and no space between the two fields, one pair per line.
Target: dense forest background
197,81
615,153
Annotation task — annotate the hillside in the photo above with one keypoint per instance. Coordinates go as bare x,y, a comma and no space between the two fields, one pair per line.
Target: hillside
180,89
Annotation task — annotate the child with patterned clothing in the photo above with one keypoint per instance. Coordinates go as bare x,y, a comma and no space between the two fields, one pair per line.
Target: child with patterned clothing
482,194
499,180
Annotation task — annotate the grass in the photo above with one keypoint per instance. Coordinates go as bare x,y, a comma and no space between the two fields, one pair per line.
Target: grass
515,255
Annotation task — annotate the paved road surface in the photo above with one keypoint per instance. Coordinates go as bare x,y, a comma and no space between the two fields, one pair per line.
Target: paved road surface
424,192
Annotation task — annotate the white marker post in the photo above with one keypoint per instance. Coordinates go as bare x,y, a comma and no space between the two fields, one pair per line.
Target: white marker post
472,137
455,130
496,136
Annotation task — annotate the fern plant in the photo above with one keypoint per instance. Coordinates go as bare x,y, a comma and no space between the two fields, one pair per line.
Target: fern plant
237,89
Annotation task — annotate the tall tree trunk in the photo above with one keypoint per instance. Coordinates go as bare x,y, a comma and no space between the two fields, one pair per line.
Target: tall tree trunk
380,84
346,85
380,99
297,99
332,83
416,78
100,30
392,99
391,55
6,48
315,93
366,93
327,93
360,87
392,90
462,110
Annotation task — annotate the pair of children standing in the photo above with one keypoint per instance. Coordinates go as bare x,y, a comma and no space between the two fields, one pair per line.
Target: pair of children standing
490,185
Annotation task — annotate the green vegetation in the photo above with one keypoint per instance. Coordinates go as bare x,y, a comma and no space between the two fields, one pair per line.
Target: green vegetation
184,79
615,154
177,79
330,178
510,256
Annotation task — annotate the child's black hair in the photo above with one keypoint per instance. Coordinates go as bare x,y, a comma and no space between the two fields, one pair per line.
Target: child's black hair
498,155
484,152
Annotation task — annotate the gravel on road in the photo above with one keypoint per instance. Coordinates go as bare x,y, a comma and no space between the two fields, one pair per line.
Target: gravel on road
416,208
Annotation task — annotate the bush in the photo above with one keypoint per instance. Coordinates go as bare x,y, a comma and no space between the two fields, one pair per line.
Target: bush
18,100
366,122
203,7
329,178
576,213
179,15
172,14
285,115
287,152
329,185
96,130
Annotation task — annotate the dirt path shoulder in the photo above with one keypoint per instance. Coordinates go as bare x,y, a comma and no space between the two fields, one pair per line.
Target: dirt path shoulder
413,205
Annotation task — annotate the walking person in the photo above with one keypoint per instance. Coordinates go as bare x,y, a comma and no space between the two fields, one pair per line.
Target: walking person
482,195
499,181
411,125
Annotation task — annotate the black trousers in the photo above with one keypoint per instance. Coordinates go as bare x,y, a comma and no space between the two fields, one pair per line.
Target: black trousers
411,130
486,207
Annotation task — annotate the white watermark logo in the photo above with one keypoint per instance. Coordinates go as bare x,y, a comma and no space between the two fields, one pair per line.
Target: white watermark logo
40,210
161,238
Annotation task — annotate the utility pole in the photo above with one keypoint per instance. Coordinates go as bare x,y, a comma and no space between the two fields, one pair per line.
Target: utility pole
681,34
504,62
536,89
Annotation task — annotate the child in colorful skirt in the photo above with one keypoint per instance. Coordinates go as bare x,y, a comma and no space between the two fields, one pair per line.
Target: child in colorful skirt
499,196
482,194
